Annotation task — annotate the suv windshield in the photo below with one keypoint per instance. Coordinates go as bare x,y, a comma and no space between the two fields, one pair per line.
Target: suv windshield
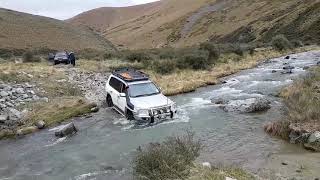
144,89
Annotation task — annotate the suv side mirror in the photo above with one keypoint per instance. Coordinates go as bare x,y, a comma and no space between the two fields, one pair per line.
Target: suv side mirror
122,94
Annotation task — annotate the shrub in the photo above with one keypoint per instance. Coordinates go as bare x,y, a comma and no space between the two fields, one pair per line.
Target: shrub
280,43
164,66
297,43
110,55
29,57
196,60
138,56
5,53
214,51
170,159
90,54
237,49
167,54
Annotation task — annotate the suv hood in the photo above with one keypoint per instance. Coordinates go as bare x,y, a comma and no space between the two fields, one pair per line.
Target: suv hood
148,102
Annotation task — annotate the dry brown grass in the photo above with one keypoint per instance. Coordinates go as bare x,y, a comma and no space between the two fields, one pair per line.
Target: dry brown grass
58,110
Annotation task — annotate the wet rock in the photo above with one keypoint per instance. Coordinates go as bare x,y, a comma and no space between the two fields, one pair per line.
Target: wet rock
306,67
284,163
40,124
219,101
94,109
313,142
287,57
273,71
298,137
248,105
318,63
288,67
68,129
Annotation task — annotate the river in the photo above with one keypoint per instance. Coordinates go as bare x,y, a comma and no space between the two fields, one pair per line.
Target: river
103,147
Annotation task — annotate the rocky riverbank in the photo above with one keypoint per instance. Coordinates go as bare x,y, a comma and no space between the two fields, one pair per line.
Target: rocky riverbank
301,125
12,97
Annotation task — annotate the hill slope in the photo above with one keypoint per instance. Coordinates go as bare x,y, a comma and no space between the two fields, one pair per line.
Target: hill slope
182,23
21,31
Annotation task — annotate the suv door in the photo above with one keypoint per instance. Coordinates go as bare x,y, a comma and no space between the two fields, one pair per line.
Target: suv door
122,101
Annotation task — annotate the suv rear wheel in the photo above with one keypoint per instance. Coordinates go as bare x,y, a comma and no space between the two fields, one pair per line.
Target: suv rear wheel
109,101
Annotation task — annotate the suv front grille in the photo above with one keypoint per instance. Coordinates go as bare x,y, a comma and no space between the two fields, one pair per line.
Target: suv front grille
161,110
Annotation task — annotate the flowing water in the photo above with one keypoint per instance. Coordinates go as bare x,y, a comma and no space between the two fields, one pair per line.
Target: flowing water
103,147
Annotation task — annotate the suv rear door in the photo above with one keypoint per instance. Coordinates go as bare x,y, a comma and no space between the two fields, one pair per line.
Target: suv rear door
116,88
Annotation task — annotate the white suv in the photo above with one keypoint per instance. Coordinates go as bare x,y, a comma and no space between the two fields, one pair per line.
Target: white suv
133,95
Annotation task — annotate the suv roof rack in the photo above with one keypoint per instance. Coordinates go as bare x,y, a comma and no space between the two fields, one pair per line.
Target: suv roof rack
130,75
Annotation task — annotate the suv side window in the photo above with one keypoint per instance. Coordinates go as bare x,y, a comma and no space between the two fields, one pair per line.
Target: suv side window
116,84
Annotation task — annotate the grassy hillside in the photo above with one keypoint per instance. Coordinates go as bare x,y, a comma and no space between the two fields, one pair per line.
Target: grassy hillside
180,23
25,31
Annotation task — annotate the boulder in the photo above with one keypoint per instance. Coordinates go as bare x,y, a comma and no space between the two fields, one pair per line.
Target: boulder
66,130
313,142
40,124
248,105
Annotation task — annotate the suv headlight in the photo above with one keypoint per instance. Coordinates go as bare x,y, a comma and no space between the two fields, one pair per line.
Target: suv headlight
143,112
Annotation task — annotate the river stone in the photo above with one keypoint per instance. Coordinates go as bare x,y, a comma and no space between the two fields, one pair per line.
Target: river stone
20,91
66,130
250,105
40,124
4,94
15,113
318,63
313,142
287,57
27,130
4,118
274,71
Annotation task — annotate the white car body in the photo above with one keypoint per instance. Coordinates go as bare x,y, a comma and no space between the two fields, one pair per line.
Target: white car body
145,108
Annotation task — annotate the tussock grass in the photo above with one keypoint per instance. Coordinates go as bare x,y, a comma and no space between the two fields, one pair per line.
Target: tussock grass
58,110
302,100
171,159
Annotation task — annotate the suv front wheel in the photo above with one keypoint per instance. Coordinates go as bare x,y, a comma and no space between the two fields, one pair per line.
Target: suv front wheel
129,115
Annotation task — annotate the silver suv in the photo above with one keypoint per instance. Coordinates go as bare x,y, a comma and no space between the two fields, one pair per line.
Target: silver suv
133,95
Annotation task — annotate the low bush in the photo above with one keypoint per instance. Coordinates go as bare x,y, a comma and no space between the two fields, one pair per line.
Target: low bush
137,56
281,43
164,66
198,60
29,57
214,51
170,159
